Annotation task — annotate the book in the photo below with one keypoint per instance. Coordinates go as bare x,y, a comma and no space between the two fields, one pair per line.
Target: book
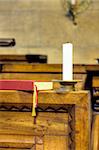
24,85
44,85
16,84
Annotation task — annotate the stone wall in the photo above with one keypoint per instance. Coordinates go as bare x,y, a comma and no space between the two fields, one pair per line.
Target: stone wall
41,27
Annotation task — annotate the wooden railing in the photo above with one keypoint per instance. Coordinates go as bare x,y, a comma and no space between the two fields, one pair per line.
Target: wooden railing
76,111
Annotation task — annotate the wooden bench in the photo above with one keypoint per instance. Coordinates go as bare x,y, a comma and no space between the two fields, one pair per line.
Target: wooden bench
25,67
15,110
95,132
63,121
92,84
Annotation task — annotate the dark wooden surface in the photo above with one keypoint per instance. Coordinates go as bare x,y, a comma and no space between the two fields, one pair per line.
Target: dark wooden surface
23,58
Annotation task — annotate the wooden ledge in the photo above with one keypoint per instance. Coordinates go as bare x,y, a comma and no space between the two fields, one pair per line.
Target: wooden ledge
44,97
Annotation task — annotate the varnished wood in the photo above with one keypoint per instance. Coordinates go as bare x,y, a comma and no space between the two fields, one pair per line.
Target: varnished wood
22,123
16,141
95,81
95,132
58,125
43,72
35,58
10,97
81,122
30,76
21,126
14,59
31,68
52,145
13,68
45,68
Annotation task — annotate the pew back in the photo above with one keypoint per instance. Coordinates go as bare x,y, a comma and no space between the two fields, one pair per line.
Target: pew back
43,72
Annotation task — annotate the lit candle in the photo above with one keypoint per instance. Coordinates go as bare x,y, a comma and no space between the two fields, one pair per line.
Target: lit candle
73,2
67,62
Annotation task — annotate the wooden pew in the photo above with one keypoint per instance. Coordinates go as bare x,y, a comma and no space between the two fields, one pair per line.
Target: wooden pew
92,84
43,72
22,67
95,132
23,58
16,105
63,121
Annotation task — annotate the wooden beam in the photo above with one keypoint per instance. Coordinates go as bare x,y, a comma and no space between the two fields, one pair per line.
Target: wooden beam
44,68
11,97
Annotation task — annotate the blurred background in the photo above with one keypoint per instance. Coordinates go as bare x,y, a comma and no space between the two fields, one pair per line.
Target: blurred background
42,26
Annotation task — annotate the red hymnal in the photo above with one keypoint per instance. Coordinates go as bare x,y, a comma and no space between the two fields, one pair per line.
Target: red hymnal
16,84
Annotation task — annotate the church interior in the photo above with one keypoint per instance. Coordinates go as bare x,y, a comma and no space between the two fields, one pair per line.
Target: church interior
49,75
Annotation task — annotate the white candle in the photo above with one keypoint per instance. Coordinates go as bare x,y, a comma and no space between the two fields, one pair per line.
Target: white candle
73,2
67,62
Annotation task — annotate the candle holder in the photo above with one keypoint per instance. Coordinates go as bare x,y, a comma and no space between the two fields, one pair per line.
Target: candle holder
61,86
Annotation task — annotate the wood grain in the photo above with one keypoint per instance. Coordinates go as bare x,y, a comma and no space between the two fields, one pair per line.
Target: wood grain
20,130
43,72
52,68
31,68
56,143
16,141
51,129
22,123
95,81
54,126
19,98
95,132
30,76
